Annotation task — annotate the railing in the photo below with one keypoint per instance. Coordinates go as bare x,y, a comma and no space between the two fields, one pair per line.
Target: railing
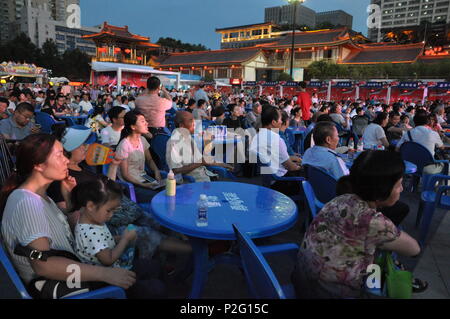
298,63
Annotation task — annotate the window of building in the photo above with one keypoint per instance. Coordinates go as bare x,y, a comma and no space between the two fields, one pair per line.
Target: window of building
440,11
256,32
427,12
400,10
440,18
399,22
236,73
387,23
196,72
441,4
222,73
387,17
266,31
427,6
412,21
414,2
234,35
400,15
303,55
388,11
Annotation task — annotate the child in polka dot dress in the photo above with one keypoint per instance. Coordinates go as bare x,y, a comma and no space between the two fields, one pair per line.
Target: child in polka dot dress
97,200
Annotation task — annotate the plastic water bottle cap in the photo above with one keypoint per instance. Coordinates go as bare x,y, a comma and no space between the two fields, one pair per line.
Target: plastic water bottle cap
203,197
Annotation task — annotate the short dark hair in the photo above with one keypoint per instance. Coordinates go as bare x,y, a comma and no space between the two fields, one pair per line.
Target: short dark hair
393,113
114,112
321,131
284,117
302,84
269,114
153,83
4,100
200,102
421,118
25,106
374,174
324,118
124,98
191,102
380,118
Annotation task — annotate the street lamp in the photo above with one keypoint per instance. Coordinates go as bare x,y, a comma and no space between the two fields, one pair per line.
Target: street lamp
294,14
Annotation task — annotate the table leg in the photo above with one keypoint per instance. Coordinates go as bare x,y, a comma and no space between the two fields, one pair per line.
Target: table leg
201,266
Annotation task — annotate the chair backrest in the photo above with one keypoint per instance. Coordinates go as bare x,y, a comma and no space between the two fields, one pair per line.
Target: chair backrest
261,280
323,184
11,280
310,198
159,145
46,122
290,136
359,124
417,154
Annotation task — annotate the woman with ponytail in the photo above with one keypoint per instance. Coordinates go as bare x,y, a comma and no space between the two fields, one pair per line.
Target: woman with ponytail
32,221
134,151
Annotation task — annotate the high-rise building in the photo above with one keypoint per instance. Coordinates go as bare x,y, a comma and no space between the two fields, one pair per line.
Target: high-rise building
406,13
58,8
336,17
283,15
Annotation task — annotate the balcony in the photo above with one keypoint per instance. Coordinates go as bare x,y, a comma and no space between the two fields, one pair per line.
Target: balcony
118,60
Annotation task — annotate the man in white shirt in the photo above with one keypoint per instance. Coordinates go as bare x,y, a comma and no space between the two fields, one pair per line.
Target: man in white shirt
426,137
85,105
272,150
182,153
110,135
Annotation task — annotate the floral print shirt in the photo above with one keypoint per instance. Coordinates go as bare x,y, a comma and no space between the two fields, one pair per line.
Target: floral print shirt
341,242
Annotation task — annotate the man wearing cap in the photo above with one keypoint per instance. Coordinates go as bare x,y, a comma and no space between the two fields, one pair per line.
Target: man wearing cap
153,107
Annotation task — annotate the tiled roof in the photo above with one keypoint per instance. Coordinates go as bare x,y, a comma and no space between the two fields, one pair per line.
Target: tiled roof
313,37
434,59
385,54
210,57
247,26
120,32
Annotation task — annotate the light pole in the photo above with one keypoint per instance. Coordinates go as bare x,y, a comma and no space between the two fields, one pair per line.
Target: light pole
294,14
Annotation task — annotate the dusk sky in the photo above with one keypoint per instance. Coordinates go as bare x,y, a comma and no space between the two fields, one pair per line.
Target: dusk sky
195,21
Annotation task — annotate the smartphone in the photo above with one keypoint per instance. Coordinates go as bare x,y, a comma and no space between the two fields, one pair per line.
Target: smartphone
148,179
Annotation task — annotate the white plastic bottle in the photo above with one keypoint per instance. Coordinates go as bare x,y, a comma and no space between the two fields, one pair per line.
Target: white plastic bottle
202,211
351,144
171,184
360,145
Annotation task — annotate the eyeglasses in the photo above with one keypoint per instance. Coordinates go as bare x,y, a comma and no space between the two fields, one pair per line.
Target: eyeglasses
28,118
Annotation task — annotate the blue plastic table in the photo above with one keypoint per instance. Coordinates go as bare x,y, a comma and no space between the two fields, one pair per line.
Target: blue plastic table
74,119
257,210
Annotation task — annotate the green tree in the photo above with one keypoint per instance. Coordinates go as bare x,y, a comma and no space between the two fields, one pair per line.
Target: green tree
283,76
177,44
20,49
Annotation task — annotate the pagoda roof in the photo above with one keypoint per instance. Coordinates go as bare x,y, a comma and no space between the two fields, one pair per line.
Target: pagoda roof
227,56
248,26
385,53
311,38
116,32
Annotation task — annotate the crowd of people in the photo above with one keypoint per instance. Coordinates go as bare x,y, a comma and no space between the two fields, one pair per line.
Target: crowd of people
54,200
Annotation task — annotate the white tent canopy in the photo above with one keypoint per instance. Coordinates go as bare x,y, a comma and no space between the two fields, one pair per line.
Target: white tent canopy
121,67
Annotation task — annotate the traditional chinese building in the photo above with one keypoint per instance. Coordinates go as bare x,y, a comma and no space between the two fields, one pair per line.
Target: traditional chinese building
117,44
272,55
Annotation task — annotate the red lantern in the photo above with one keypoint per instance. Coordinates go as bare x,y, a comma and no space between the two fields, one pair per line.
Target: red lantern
117,50
139,58
127,51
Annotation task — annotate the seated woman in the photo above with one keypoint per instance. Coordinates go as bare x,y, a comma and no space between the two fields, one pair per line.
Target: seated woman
96,122
133,150
32,220
342,240
148,231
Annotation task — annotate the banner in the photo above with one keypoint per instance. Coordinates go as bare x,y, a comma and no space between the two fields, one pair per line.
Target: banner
316,84
250,83
342,84
25,70
408,85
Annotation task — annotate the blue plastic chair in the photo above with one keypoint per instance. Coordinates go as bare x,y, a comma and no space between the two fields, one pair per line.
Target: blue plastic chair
159,145
206,124
420,156
127,185
429,201
323,184
46,122
110,292
269,179
291,139
261,280
311,200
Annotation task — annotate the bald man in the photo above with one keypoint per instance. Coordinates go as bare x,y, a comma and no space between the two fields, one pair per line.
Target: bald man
182,153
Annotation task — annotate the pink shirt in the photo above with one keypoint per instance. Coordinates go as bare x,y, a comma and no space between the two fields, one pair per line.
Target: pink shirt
154,109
